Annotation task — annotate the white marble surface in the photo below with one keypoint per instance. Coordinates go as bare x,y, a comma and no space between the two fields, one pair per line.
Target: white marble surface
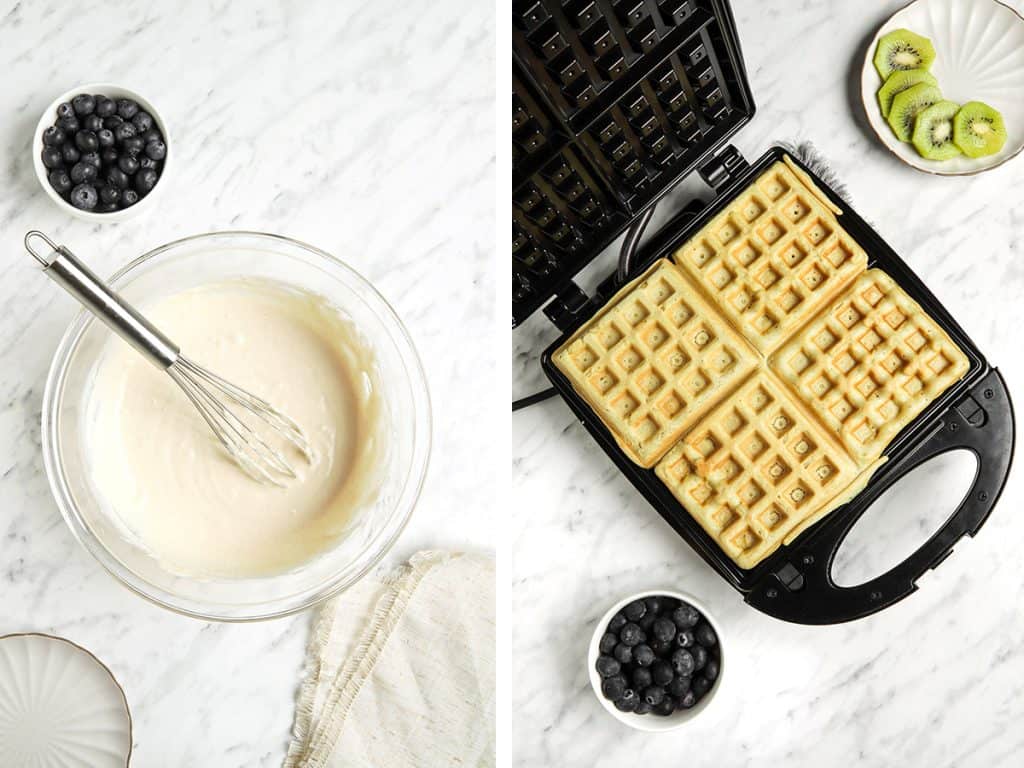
933,681
364,128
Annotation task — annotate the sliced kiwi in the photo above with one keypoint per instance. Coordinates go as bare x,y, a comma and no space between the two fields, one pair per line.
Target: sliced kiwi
933,131
906,105
900,81
978,129
903,49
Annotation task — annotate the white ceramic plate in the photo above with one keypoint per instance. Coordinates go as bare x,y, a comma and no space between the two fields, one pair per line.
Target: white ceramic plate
60,707
979,56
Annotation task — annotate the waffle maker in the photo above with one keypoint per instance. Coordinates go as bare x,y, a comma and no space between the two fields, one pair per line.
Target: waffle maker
613,103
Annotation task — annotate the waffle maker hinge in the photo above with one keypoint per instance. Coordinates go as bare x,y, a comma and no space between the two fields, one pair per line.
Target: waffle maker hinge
721,168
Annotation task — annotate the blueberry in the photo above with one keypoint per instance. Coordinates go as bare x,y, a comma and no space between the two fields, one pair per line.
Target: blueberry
83,104
613,687
618,621
69,125
105,137
156,150
151,134
129,197
52,157
643,655
93,159
643,708
102,207
701,685
606,666
623,653
664,629
711,670
105,107
628,701
683,662
87,141
124,131
148,162
684,638
65,110
133,145
108,156
634,611
653,605
705,635
685,616
631,634
53,136
112,122
647,622
117,178
60,180
128,164
83,171
653,695
641,678
608,640
661,647
700,656
678,687
70,153
92,123
127,108
109,194
665,707
142,121
688,700
661,672
84,197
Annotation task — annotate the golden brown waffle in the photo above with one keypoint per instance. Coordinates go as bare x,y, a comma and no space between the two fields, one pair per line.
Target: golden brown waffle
871,363
756,469
653,360
773,257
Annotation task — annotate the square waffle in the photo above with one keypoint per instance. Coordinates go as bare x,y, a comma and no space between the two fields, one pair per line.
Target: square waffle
653,361
758,469
773,257
871,363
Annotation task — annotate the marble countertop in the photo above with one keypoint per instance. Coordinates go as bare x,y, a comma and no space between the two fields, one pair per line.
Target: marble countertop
933,681
364,128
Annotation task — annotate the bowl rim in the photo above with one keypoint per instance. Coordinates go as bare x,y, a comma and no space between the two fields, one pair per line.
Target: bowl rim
59,486
870,103
47,119
654,723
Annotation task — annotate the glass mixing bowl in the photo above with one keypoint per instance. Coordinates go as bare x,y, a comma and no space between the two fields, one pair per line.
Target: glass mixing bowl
185,264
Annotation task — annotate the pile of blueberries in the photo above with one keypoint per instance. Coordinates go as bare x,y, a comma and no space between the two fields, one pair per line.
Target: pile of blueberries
658,655
103,154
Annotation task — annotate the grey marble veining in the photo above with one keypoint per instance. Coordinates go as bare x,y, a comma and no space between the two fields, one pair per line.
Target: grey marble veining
366,129
935,680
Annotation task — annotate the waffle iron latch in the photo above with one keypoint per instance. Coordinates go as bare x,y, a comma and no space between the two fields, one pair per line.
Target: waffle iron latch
566,306
723,167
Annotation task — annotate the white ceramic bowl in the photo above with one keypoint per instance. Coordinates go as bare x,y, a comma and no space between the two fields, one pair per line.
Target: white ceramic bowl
979,56
651,722
49,117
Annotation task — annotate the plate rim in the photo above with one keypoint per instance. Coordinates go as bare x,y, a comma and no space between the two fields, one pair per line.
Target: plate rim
117,683
864,102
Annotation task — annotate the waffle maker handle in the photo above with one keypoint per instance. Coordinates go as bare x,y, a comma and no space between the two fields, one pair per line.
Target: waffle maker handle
803,591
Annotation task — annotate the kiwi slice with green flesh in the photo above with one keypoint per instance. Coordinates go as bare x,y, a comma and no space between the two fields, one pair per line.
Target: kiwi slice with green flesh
933,131
903,49
906,105
900,81
978,129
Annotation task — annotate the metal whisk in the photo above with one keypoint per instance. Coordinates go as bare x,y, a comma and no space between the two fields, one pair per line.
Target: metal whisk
212,396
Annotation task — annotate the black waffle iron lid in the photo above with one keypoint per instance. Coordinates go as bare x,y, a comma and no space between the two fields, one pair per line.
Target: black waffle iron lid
613,103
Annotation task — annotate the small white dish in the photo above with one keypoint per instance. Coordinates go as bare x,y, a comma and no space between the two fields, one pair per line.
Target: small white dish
49,117
60,707
979,56
651,722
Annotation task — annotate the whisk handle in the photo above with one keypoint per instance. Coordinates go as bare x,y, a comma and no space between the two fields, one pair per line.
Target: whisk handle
65,269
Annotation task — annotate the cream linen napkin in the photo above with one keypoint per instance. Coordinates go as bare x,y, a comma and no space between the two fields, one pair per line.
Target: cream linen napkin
400,671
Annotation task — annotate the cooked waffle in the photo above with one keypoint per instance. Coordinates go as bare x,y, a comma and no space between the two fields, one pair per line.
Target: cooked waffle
757,469
653,361
871,363
773,257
